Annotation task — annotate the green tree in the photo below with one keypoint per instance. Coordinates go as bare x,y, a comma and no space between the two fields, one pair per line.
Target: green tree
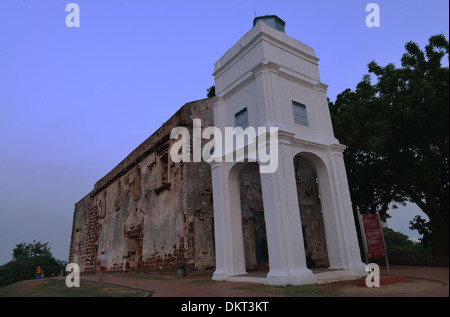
423,227
28,250
211,91
26,258
397,133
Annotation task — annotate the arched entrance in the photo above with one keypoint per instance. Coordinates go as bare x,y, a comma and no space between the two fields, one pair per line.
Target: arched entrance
311,216
253,222
282,218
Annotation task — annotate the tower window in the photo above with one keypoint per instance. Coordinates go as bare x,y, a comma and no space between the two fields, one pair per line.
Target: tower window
300,115
241,119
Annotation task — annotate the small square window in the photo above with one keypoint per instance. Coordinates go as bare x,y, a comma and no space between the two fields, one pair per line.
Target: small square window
300,115
241,119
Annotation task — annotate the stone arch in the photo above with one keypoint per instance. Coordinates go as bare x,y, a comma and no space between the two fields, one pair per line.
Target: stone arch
334,221
249,246
311,212
253,221
286,255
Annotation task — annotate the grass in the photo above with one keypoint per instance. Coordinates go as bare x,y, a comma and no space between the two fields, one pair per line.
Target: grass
56,287
203,282
314,290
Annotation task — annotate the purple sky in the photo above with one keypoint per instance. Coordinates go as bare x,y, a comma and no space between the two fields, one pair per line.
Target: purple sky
75,101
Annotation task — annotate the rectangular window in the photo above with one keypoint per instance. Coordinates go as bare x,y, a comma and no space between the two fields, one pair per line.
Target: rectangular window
163,169
300,115
241,119
163,178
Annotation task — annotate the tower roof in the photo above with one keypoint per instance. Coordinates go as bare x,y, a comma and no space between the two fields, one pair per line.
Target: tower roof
271,20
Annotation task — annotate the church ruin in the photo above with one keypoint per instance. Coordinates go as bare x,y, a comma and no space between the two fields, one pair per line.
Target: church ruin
152,214
149,213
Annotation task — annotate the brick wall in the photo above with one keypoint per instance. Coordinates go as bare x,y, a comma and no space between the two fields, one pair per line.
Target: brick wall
144,221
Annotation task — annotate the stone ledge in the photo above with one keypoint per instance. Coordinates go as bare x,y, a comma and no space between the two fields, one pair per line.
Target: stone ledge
331,276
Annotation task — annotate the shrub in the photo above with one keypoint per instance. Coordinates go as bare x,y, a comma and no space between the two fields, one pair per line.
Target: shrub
25,268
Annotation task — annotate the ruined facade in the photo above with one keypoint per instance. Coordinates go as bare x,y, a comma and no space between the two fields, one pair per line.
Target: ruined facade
285,215
148,213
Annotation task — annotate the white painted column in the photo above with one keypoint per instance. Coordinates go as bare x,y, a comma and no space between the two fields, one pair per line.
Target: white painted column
330,210
227,224
283,226
349,239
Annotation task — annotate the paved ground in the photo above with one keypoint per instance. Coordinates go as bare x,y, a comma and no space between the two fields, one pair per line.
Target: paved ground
418,282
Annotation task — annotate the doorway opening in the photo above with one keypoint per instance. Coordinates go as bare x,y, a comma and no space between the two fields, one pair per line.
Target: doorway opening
131,258
311,215
253,222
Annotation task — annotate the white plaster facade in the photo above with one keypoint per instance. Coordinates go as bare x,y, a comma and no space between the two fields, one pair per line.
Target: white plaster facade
265,72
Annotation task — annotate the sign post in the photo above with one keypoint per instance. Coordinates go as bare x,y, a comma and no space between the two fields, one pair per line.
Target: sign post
363,237
373,237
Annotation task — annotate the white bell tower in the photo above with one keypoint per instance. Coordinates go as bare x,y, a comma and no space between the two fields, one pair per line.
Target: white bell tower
268,79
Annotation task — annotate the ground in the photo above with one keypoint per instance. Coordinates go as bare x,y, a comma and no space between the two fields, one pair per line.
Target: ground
417,282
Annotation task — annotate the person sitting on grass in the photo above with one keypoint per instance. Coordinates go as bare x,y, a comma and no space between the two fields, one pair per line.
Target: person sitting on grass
38,272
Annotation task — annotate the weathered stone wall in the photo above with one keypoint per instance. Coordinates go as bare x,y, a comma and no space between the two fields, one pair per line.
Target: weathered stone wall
198,200
84,235
152,214
253,222
149,213
311,216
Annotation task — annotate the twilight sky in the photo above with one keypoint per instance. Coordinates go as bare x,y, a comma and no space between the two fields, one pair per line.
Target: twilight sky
74,102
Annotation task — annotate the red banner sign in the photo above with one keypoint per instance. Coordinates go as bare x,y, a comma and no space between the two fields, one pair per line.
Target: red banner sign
374,239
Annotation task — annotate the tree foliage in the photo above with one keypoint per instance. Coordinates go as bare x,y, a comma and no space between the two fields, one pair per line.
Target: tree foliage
397,242
29,250
423,227
26,258
211,91
397,135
